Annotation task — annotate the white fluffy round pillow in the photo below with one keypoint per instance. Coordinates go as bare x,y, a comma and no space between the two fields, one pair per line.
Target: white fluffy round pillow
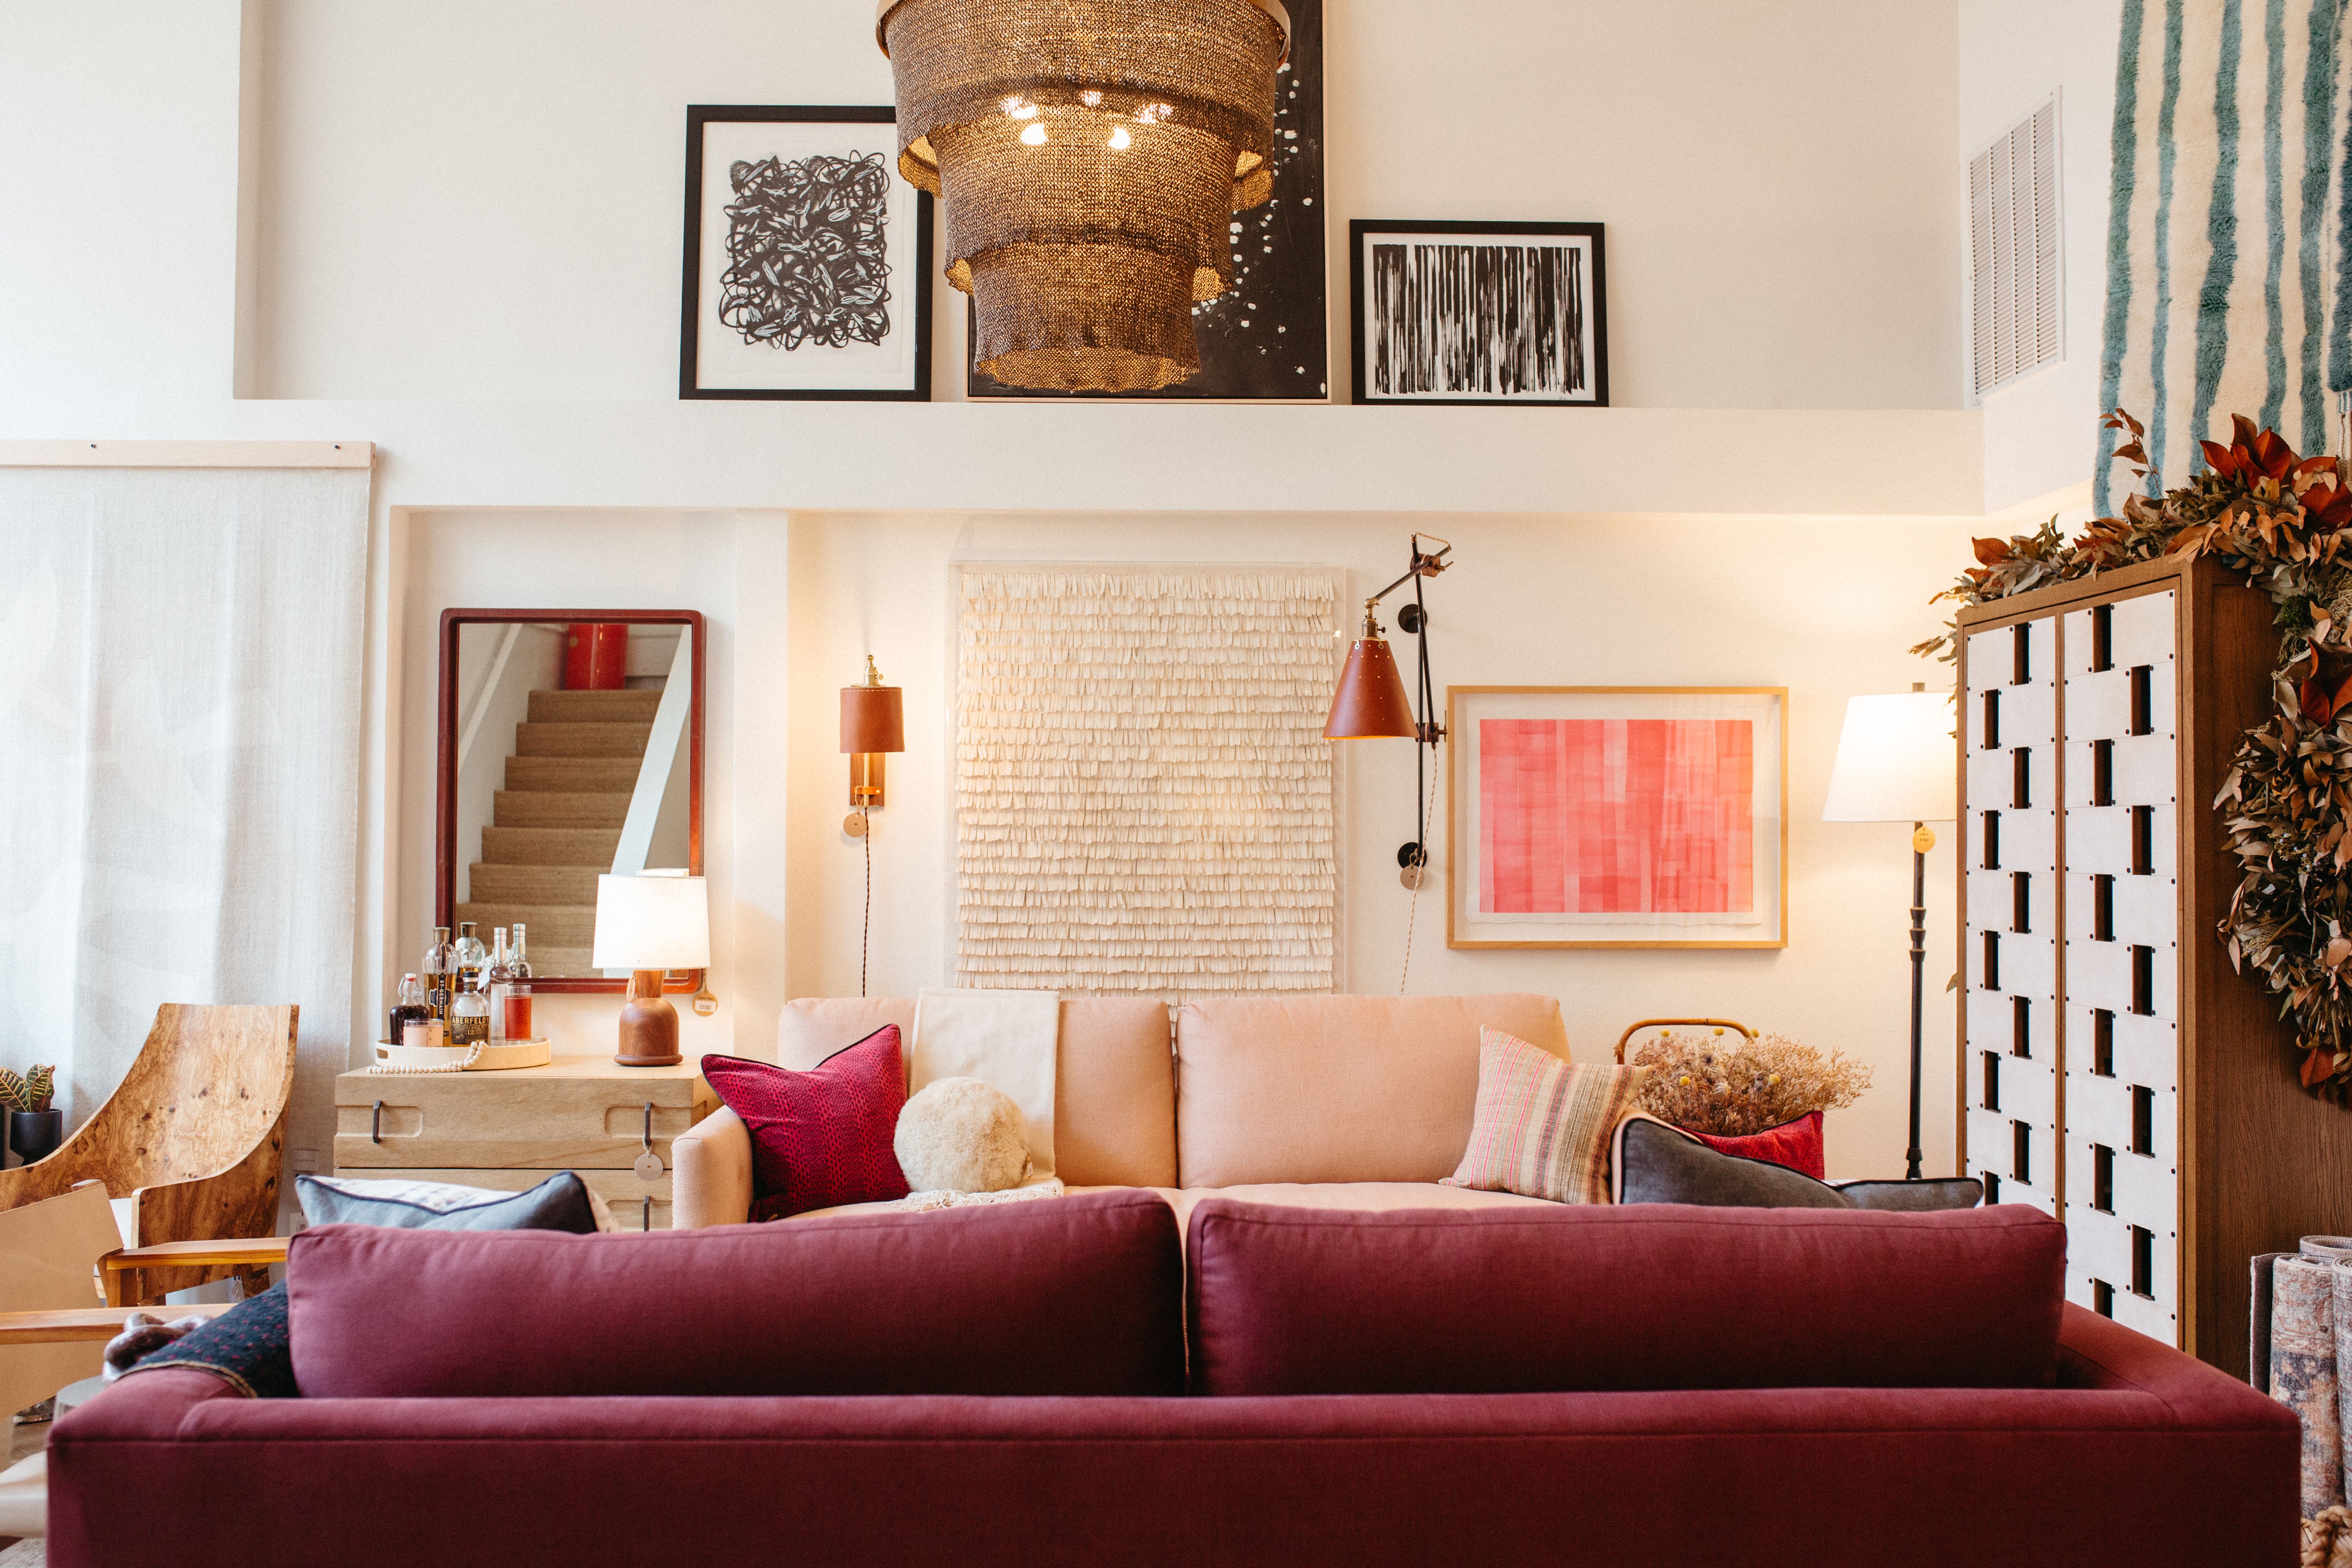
959,1134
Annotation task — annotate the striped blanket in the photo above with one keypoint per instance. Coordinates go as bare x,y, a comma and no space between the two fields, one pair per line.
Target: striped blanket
2226,227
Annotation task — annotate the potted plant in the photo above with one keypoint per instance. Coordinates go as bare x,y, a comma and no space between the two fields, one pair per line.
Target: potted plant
34,1130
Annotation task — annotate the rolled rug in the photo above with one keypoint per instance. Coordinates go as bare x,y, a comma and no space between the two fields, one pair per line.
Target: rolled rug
2258,1320
2302,1371
2342,1271
2331,1248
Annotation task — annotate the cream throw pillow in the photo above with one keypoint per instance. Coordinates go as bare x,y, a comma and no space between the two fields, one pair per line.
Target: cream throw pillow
1542,1125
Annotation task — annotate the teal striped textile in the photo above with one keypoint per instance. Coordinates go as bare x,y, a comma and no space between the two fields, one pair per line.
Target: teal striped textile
2228,226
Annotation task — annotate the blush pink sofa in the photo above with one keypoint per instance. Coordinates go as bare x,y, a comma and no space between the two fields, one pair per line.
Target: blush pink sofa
1343,1102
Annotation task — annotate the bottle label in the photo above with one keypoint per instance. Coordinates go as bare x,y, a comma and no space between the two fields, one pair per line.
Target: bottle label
438,1000
467,1029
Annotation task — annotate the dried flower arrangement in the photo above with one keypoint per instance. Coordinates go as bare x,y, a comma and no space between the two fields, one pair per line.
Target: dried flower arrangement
1731,1088
2286,802
32,1092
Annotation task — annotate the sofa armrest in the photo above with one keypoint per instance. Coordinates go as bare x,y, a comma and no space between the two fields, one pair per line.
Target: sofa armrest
2095,1353
711,1173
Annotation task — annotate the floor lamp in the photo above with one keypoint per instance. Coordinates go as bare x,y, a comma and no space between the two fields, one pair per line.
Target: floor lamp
1896,762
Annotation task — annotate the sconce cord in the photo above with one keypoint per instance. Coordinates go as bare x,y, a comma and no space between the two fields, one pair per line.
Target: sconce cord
865,931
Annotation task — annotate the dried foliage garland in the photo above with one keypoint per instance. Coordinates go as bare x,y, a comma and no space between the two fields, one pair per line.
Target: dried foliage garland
2287,801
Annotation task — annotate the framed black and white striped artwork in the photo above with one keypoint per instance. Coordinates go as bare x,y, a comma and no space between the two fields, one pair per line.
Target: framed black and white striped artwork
1479,313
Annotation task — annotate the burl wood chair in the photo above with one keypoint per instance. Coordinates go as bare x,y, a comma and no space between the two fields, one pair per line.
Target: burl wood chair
195,1137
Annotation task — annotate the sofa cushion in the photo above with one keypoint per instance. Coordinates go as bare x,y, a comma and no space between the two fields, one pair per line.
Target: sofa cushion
1541,1127
1115,1089
1337,1089
824,1136
563,1202
1653,1163
1077,1297
1290,1301
1795,1144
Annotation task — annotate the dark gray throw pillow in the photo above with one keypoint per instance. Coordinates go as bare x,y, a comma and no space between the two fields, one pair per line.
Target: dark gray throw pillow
560,1203
1651,1162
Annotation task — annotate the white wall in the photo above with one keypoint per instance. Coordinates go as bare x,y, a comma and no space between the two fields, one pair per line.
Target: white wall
484,201
1547,600
462,225
2040,432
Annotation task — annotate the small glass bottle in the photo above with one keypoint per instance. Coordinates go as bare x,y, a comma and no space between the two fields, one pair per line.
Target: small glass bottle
493,979
440,968
469,1017
471,957
409,1009
517,992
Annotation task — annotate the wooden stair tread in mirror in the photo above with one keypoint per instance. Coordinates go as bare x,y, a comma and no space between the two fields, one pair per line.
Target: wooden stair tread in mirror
544,782
193,1137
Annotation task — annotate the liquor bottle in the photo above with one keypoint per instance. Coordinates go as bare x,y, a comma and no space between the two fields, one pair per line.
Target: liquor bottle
494,980
471,957
469,1017
518,992
440,967
410,1009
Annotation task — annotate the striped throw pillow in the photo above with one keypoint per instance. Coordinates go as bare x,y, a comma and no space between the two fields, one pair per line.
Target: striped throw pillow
1542,1126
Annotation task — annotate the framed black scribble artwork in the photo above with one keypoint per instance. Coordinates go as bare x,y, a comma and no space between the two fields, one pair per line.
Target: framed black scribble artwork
808,260
1266,339
1479,313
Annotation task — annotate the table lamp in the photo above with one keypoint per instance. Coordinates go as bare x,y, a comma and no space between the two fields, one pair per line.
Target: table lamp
650,924
1896,762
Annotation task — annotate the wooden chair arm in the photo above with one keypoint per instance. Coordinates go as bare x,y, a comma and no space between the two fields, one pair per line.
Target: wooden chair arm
73,1325
256,1252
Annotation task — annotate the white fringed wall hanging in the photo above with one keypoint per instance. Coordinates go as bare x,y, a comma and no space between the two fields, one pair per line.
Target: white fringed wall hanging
1144,798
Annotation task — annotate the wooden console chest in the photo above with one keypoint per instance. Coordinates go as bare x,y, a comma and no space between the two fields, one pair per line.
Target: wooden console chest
2114,1072
513,1129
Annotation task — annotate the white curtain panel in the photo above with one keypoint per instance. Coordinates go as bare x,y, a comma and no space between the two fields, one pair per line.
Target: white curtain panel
179,761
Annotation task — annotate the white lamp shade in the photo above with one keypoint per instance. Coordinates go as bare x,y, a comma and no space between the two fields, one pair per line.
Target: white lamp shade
652,923
1896,760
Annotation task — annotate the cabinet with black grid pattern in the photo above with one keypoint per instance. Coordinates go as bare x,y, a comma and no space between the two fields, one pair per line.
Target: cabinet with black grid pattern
2115,1070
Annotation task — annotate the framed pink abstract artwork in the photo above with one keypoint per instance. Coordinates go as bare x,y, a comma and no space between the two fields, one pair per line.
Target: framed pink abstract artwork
1616,817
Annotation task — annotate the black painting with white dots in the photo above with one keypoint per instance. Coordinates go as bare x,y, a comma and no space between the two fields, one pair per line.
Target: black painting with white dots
1263,338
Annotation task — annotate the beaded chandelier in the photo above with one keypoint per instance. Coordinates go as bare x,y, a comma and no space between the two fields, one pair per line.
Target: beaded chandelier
1090,156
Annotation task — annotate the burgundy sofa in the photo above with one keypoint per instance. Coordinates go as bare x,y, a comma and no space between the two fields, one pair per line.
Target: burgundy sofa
1016,1385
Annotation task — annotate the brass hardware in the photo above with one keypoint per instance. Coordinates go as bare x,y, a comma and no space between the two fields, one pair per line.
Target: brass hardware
866,778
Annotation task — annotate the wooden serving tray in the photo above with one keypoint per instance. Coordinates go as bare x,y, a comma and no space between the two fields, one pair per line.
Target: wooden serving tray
494,1057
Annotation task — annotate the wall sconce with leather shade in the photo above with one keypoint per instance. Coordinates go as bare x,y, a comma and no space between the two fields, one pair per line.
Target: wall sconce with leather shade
873,723
648,925
1372,702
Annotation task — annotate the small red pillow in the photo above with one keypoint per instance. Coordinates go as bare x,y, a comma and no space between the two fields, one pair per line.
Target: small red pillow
1796,1144
820,1137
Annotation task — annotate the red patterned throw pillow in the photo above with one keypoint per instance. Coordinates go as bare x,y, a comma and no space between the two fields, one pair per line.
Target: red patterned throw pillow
1796,1144
820,1137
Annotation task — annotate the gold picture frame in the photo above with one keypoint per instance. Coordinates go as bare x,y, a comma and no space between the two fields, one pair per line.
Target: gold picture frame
1471,923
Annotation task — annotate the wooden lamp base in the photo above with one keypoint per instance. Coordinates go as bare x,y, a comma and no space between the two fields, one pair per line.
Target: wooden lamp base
648,1025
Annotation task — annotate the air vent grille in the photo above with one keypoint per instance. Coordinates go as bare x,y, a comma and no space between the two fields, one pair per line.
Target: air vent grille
2015,309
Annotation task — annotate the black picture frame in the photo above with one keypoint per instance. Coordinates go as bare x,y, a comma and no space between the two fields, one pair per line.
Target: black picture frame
699,120
1592,298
